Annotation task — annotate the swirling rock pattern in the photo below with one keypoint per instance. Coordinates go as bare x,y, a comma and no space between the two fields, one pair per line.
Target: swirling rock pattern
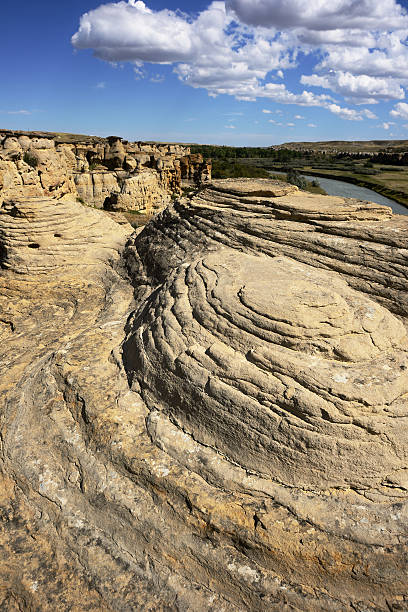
281,367
221,426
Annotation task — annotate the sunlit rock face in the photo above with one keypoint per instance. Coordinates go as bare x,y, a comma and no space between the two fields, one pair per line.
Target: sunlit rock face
101,172
279,366
208,414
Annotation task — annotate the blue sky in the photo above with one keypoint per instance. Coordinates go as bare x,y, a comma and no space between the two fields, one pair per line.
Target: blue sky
240,72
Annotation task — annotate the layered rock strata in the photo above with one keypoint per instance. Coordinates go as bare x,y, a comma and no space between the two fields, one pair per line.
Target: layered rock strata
223,426
104,173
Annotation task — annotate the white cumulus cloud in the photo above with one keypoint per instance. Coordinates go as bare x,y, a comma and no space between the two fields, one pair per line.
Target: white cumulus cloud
241,47
129,31
400,110
320,14
357,88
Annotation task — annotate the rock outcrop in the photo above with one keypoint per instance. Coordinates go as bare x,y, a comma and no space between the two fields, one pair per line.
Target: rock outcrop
210,414
103,173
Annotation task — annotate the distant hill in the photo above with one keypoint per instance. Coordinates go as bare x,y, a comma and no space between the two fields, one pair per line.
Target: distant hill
355,146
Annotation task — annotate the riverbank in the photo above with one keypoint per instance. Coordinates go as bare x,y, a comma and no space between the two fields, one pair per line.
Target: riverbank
345,189
367,183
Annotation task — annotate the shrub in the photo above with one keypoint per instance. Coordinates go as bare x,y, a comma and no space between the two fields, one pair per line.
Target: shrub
31,159
294,178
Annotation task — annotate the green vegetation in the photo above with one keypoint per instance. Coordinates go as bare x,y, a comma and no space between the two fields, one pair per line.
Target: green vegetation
393,185
384,171
233,170
315,187
350,146
229,169
233,153
31,159
295,178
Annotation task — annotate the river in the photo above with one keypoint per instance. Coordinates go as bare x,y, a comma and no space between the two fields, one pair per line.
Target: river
348,190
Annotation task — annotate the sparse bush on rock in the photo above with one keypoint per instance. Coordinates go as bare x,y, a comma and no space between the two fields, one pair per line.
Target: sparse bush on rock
31,159
295,178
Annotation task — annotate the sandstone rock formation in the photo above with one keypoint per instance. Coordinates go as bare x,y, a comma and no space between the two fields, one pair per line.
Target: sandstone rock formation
104,173
219,425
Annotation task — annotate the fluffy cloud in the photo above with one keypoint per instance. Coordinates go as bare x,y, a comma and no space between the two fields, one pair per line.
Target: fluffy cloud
320,14
241,47
346,113
400,110
129,31
205,53
391,61
357,88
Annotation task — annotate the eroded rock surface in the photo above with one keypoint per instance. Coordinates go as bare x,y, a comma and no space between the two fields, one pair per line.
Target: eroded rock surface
102,172
219,425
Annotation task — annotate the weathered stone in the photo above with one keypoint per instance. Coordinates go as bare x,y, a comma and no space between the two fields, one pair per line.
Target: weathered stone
130,163
94,188
42,143
11,148
221,427
115,154
18,180
195,169
141,191
24,142
94,171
